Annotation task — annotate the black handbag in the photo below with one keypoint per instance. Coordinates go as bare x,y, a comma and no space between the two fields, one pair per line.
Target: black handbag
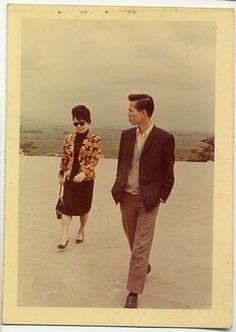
59,205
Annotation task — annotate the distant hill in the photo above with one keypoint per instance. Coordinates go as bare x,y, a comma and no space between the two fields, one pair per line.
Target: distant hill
48,140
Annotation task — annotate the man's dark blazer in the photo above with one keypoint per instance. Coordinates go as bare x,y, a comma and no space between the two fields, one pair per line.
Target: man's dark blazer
156,166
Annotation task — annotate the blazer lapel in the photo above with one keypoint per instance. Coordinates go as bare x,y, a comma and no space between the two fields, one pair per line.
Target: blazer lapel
149,139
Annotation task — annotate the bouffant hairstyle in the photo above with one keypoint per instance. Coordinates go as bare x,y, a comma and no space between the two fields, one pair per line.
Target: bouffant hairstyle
81,112
143,102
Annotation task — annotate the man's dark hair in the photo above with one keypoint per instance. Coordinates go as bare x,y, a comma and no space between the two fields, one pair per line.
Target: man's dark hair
81,112
143,102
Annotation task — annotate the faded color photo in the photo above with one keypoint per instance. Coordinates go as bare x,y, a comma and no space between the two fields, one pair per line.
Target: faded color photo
98,63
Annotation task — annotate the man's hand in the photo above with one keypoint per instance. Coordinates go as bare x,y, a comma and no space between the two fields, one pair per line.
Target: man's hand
79,177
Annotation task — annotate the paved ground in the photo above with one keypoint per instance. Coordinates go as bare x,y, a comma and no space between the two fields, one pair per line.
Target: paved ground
94,274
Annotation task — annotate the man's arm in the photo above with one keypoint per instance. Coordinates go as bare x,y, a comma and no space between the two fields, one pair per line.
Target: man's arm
168,167
120,152
115,191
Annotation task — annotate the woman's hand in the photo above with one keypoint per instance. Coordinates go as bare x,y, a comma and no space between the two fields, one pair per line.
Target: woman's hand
79,177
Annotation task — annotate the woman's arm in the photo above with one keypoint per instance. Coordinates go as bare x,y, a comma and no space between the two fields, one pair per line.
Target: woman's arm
63,164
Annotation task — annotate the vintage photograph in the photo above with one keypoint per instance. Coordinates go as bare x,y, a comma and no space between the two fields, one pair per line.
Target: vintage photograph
116,132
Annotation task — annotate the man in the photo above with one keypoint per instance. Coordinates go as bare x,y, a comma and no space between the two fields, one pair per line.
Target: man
144,179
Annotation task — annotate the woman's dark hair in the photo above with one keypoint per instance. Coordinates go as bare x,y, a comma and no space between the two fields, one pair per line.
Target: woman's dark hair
81,112
143,102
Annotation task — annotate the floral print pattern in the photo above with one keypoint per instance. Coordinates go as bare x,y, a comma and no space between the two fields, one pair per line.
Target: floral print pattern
89,155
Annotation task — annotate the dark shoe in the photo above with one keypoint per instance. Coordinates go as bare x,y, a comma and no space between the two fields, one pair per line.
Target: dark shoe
131,302
62,246
149,269
80,241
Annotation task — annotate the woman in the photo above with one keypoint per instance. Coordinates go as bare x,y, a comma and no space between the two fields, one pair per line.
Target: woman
81,152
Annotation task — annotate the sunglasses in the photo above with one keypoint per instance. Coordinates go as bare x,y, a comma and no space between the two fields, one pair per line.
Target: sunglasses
81,123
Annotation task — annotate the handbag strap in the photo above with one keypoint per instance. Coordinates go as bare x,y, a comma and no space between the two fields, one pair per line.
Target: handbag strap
60,190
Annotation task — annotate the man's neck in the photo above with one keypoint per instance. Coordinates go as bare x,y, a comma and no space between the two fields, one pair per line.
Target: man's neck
144,126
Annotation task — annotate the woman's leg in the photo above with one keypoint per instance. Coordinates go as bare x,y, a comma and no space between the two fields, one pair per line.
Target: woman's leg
65,228
83,221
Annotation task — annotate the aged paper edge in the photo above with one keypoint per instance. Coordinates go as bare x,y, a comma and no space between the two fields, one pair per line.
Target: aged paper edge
220,315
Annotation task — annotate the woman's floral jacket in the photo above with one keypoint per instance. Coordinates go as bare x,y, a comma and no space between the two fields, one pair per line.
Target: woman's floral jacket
89,155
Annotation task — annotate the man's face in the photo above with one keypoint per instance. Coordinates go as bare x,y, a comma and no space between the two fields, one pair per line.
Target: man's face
135,117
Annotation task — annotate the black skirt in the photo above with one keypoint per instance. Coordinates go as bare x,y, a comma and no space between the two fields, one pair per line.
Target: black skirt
77,197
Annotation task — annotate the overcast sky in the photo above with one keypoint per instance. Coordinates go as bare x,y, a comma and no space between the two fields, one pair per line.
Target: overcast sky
98,63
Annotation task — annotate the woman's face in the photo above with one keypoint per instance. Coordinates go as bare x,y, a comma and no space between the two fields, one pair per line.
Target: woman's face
81,125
